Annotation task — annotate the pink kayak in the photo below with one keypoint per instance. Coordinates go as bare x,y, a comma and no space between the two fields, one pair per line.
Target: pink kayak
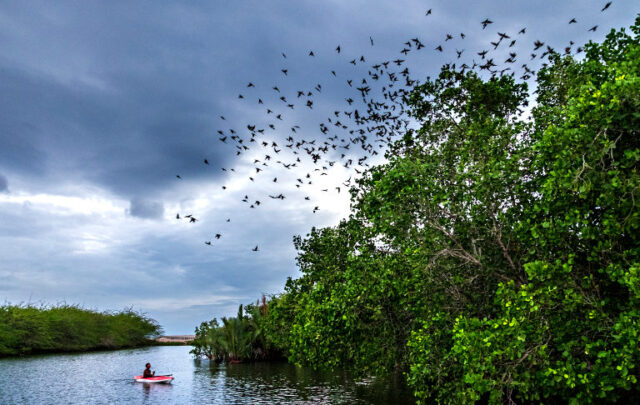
161,379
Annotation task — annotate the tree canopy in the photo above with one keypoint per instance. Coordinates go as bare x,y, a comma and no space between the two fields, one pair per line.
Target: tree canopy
496,255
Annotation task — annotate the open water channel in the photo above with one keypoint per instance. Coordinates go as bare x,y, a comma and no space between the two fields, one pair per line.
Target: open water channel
107,378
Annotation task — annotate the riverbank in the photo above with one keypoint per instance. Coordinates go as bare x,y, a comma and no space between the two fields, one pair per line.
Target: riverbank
175,340
27,329
164,343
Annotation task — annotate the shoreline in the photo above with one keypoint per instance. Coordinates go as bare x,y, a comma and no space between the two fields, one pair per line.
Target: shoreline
151,343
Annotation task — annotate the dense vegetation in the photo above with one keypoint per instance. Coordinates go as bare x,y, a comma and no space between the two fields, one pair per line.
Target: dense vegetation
27,329
236,339
496,256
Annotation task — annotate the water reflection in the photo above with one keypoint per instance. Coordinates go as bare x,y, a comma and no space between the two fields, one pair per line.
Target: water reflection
264,383
107,378
147,388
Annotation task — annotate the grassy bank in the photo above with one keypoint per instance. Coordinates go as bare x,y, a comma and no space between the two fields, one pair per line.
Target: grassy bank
28,329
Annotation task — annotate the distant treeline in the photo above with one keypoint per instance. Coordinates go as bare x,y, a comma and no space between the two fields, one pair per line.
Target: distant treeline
29,329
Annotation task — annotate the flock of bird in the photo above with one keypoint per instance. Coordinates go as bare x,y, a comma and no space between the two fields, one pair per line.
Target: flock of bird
372,117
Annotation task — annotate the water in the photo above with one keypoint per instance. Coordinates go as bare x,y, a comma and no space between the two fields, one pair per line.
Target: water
107,378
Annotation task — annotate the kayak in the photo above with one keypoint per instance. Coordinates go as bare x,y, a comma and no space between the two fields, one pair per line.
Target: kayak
161,379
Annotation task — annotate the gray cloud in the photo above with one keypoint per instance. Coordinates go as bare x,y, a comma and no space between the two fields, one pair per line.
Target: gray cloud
4,184
146,209
110,102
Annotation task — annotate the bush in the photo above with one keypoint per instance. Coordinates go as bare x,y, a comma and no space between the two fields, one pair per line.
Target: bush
27,329
238,339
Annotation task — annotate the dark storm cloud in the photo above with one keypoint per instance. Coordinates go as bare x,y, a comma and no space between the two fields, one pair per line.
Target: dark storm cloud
91,97
127,97
123,96
146,209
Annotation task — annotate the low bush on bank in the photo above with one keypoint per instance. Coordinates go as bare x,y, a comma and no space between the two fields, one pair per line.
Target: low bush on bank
29,329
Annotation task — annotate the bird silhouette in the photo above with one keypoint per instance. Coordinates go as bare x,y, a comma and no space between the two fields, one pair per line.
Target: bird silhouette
374,115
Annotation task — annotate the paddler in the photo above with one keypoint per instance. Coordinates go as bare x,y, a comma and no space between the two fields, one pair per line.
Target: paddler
147,371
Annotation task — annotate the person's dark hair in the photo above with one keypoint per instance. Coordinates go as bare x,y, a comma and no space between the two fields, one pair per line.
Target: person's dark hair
148,365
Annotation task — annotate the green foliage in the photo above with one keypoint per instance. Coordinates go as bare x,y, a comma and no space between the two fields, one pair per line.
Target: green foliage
237,339
345,310
496,256
27,329
569,329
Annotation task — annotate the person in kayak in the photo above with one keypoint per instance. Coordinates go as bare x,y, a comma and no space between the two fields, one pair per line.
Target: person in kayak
147,371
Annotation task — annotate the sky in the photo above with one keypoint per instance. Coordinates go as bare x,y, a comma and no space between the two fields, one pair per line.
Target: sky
104,104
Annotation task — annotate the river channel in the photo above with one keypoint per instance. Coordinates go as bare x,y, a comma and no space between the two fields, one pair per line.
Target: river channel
107,378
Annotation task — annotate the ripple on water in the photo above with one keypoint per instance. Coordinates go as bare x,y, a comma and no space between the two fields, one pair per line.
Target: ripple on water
107,378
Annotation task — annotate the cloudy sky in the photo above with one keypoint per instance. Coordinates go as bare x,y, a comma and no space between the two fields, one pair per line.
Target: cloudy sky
103,103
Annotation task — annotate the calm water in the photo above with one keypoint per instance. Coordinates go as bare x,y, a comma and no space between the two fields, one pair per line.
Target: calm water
106,378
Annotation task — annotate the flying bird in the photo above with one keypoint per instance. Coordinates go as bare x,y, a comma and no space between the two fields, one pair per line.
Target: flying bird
365,130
